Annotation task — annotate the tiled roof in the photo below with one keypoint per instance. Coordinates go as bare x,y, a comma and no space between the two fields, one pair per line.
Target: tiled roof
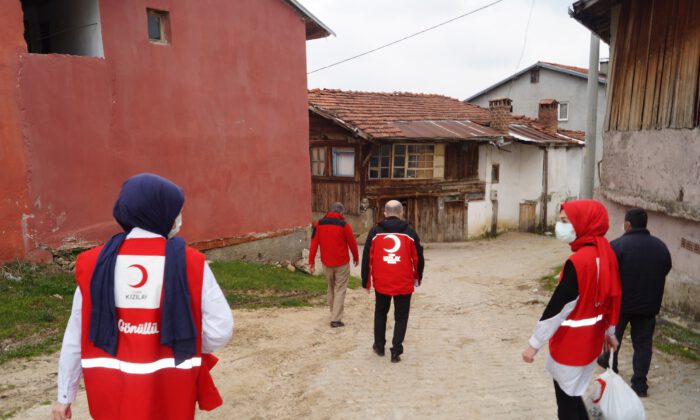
372,112
387,116
571,68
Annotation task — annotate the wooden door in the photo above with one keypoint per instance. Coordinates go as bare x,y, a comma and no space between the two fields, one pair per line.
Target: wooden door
527,217
454,229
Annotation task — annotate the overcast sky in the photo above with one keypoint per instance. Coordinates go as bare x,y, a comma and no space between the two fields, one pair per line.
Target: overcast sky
457,60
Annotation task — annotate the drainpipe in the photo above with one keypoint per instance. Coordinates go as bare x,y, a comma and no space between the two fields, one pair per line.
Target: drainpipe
588,170
545,188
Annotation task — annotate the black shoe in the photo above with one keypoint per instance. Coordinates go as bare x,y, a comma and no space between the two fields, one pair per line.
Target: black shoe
640,394
395,358
378,350
336,324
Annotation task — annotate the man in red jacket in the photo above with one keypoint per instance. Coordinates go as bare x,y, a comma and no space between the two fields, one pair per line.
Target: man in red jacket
335,236
393,262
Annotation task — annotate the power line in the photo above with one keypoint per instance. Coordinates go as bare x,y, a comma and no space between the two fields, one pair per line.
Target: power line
406,37
522,50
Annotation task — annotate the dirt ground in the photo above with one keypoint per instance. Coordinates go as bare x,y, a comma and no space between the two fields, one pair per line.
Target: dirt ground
468,325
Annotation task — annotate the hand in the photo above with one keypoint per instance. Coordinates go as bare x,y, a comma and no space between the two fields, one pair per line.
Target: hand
367,290
61,411
529,354
354,262
611,342
312,269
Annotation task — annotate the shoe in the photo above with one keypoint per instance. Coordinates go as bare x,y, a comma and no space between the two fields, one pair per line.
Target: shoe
336,324
378,350
395,358
640,394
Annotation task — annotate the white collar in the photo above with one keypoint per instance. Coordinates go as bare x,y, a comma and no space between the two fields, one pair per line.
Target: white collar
142,233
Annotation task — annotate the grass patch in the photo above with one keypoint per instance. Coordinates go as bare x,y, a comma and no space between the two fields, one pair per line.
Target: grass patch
249,285
36,300
676,340
35,303
549,282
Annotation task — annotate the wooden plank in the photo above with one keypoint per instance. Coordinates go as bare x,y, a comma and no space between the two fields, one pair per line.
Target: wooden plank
618,70
625,65
660,24
668,74
639,73
687,84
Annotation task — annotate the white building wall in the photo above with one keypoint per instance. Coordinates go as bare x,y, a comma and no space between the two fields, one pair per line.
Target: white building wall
520,180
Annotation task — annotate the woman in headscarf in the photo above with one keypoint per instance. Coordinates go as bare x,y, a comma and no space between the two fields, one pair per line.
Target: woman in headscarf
580,318
147,314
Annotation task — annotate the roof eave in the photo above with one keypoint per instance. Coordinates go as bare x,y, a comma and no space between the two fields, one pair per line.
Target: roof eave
315,29
525,70
594,15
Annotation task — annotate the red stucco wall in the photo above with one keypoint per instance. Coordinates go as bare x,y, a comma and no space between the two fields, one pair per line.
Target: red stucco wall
221,111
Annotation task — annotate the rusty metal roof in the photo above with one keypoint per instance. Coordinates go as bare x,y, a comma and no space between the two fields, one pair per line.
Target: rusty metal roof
529,134
445,129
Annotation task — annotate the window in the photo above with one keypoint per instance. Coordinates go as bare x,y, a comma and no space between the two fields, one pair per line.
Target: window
563,111
63,27
343,161
413,161
495,173
380,162
318,161
158,26
535,76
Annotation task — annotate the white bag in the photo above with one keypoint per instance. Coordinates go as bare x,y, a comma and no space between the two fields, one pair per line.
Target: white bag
612,399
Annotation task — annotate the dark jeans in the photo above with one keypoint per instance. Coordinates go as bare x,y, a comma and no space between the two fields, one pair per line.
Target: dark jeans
568,407
402,305
642,336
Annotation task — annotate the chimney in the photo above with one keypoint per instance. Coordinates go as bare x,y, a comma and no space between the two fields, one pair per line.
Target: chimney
547,115
500,110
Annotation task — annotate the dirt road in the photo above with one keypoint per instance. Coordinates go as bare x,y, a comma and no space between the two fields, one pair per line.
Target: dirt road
468,324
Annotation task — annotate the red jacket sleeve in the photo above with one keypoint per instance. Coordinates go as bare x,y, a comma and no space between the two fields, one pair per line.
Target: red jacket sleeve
352,243
314,245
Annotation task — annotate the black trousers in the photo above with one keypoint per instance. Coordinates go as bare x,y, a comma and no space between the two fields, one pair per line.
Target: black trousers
642,336
402,305
568,407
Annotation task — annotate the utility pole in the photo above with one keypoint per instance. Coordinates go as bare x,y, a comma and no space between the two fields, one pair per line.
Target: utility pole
589,166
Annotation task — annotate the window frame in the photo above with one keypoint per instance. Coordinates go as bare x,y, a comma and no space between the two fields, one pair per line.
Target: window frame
535,76
407,157
379,166
335,151
320,160
559,107
164,23
495,173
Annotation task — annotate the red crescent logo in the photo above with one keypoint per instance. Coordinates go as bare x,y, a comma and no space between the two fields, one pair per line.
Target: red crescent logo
144,276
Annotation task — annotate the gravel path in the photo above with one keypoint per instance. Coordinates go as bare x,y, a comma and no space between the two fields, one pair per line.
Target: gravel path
468,325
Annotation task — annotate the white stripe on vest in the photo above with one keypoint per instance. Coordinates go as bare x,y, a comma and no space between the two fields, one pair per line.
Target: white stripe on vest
139,368
577,323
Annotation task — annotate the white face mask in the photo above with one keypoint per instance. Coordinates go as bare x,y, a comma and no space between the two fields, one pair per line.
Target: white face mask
176,226
565,232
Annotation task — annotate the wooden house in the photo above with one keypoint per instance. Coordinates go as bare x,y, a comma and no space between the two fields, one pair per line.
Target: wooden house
651,156
428,151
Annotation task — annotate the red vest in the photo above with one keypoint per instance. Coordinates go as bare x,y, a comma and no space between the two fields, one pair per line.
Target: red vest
393,263
579,339
141,382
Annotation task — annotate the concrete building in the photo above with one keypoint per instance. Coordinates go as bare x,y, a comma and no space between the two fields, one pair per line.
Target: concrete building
211,96
566,84
651,157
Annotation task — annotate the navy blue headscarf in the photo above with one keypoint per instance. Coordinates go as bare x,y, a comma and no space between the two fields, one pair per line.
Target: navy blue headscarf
152,203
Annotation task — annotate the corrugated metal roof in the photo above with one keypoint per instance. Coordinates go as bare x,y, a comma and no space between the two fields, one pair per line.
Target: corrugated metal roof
444,129
532,135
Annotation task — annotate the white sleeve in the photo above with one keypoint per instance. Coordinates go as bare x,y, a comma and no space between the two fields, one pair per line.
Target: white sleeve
69,368
217,318
545,329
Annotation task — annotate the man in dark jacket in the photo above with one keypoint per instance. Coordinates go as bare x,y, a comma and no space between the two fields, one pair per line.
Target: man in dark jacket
393,262
644,263
335,237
